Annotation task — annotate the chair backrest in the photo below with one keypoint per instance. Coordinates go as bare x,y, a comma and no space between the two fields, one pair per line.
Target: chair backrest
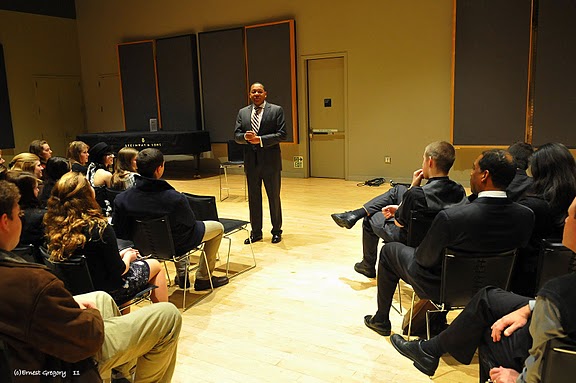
26,252
153,237
420,222
73,272
111,196
554,260
464,274
235,152
559,362
203,206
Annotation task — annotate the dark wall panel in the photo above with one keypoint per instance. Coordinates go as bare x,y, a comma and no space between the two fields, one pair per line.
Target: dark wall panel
555,74
223,74
271,56
178,83
138,82
491,71
6,132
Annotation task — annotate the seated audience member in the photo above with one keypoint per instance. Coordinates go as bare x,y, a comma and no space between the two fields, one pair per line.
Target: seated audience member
521,153
78,156
56,167
509,330
124,169
554,172
44,328
27,162
3,168
75,226
98,174
32,226
153,197
491,223
42,150
388,215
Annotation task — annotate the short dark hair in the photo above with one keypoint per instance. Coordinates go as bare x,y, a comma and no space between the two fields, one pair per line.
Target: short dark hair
521,153
56,167
443,154
500,165
9,196
26,183
148,161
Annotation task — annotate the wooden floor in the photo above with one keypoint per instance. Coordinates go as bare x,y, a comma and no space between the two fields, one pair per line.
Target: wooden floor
298,316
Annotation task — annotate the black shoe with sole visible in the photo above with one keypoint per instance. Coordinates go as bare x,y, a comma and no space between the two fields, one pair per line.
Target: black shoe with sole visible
204,284
276,238
252,239
382,328
364,269
347,219
412,350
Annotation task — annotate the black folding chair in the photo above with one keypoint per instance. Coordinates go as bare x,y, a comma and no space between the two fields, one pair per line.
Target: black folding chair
235,160
204,208
554,260
76,276
29,253
464,274
153,238
559,361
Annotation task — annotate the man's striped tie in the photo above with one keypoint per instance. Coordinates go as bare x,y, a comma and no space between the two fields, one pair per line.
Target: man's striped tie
255,122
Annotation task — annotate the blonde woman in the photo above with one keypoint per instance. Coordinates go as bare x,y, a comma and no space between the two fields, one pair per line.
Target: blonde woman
78,156
27,162
75,225
124,169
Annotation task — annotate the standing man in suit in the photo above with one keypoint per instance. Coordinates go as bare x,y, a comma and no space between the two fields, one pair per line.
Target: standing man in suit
261,126
491,223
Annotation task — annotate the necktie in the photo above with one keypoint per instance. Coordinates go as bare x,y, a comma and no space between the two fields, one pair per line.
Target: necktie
255,122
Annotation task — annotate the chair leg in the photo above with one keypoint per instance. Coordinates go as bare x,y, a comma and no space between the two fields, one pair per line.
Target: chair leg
167,274
411,315
399,309
229,249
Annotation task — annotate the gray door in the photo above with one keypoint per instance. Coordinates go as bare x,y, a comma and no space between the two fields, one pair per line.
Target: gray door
326,117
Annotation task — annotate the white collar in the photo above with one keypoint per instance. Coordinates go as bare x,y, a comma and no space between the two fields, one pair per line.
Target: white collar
492,194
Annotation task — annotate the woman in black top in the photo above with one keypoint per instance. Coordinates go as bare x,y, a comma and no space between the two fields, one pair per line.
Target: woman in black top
78,156
75,225
56,167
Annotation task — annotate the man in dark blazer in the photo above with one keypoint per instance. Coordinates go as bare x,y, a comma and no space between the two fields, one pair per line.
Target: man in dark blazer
261,126
491,223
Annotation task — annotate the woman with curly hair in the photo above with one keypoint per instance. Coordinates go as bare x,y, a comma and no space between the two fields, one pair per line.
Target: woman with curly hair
75,225
124,169
78,156
27,162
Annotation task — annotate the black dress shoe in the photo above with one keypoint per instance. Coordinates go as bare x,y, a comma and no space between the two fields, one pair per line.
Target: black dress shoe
382,328
364,269
252,239
346,219
413,350
179,280
276,238
204,284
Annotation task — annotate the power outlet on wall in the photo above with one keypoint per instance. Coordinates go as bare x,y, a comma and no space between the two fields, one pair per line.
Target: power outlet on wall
298,162
387,160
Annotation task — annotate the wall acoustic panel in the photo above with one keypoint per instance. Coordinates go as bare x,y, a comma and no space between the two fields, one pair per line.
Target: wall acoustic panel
223,74
138,83
6,132
178,83
555,74
271,58
492,49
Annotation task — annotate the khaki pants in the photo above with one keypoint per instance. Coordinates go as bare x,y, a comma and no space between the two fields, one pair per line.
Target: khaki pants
212,238
143,343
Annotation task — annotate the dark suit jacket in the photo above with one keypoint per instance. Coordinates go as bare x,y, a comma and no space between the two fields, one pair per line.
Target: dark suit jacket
485,225
265,159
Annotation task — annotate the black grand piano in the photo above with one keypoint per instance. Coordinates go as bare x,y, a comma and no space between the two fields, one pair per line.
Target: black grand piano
168,142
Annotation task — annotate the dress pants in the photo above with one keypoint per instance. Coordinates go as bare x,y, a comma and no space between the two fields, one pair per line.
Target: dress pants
143,343
212,238
375,226
272,184
471,330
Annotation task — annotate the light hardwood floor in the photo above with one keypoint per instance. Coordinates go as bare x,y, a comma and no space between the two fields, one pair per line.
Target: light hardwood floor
298,316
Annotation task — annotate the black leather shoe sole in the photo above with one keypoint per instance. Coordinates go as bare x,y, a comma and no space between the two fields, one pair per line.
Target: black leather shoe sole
253,239
425,363
380,328
360,268
202,285
276,238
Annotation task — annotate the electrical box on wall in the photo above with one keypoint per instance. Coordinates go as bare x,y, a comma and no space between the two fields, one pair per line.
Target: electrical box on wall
298,162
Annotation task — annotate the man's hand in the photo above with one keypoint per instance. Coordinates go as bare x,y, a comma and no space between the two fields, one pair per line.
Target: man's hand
503,375
251,137
85,304
417,177
389,211
510,323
